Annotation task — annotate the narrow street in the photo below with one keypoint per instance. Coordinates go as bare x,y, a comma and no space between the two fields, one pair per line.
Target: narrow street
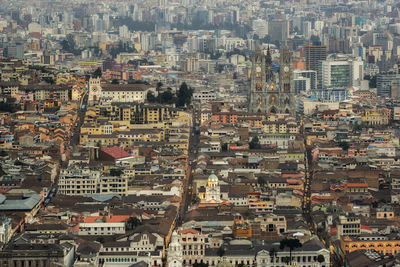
188,190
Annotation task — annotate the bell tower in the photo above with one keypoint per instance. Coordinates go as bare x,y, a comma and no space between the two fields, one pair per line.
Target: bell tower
287,104
258,96
94,91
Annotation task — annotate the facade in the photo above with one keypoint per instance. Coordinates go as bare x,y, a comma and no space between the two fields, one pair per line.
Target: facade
387,84
338,74
213,190
314,53
308,75
381,244
107,93
85,181
103,225
348,225
266,95
175,256
5,230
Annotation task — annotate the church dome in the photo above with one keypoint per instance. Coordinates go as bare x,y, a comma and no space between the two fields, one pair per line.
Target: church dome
212,177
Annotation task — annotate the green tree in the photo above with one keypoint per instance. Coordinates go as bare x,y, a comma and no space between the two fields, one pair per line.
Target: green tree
116,172
184,96
166,97
221,251
291,243
150,97
261,180
132,223
195,200
97,73
100,239
224,147
344,145
320,258
273,253
49,80
254,143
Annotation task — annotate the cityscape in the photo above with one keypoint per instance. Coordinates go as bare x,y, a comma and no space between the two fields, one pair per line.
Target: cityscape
204,133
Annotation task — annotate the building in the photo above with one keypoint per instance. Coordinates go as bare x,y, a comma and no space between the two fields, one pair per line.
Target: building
5,230
308,77
314,53
15,49
103,225
382,244
349,225
265,95
388,84
301,84
278,30
107,93
38,250
175,255
213,190
338,74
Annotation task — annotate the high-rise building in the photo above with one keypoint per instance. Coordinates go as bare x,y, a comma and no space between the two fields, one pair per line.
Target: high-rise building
278,30
340,73
314,53
309,74
15,49
387,84
266,96
301,84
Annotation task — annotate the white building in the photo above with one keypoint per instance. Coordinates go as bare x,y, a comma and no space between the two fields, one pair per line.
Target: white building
101,226
107,93
175,256
5,230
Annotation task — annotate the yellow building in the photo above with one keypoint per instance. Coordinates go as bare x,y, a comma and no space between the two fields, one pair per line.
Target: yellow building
377,243
376,116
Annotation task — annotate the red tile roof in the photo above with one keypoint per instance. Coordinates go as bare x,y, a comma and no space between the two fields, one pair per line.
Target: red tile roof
116,152
109,219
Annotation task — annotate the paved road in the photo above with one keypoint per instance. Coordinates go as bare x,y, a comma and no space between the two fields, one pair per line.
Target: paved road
81,115
188,183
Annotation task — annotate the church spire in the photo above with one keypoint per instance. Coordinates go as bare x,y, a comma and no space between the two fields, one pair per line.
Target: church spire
268,66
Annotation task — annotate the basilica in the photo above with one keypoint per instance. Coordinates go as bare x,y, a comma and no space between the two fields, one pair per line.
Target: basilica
271,92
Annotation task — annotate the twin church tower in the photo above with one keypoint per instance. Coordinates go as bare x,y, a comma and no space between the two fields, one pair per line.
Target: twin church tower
271,92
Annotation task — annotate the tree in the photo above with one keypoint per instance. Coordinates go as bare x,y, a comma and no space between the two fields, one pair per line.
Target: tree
261,180
166,97
115,172
97,73
184,96
221,251
272,254
150,97
195,200
292,244
200,264
132,223
49,80
100,239
224,147
320,258
344,145
254,143
115,81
